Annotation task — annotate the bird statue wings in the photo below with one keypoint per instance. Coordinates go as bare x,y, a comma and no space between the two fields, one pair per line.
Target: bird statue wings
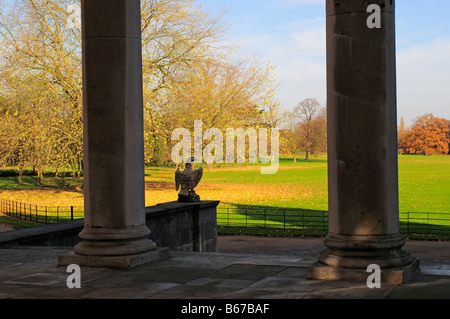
187,180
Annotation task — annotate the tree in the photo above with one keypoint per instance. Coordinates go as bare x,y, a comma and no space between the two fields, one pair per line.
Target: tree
291,135
33,124
39,39
447,122
312,130
428,135
187,71
401,132
41,68
175,35
220,94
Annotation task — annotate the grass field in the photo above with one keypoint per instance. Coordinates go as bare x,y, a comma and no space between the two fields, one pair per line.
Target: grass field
424,186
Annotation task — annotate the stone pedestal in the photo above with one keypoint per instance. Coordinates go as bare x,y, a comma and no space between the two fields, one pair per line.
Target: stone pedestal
188,199
362,146
114,226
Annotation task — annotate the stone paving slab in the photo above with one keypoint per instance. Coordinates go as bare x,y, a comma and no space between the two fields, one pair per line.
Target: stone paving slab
423,287
33,273
5,228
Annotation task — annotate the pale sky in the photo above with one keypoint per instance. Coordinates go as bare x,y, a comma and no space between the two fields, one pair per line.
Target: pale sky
291,35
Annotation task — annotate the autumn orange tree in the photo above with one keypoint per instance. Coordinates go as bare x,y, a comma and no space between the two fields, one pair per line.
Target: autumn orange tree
429,135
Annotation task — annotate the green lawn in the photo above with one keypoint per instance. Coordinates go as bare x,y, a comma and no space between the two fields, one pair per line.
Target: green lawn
424,184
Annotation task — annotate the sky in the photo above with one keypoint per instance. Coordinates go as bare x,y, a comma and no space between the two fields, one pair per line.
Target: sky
291,35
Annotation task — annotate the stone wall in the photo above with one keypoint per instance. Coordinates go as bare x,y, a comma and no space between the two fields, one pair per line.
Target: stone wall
186,227
180,227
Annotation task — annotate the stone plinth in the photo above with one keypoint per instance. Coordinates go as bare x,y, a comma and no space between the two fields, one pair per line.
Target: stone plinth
396,276
121,262
348,257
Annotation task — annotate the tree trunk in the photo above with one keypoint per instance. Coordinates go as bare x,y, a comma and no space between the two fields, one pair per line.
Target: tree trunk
21,165
39,172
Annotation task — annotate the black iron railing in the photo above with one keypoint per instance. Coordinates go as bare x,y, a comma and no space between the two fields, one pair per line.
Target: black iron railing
315,222
302,221
40,214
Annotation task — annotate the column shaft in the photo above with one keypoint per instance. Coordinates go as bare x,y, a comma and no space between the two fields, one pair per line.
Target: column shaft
362,145
113,130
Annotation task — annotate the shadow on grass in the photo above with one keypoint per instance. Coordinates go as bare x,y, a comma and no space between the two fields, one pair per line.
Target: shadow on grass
16,223
425,225
249,218
32,183
269,220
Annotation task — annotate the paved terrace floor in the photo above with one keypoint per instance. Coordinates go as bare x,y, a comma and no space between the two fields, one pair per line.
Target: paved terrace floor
244,268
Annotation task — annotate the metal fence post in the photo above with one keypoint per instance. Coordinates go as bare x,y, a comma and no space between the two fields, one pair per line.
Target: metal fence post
265,218
323,221
407,224
246,215
303,220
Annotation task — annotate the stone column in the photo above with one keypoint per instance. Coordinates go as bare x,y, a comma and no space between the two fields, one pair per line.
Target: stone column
115,233
362,146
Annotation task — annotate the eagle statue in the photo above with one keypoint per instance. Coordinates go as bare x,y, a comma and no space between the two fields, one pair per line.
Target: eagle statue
187,180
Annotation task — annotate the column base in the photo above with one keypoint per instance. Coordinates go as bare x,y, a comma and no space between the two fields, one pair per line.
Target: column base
347,257
124,248
397,276
122,262
109,242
